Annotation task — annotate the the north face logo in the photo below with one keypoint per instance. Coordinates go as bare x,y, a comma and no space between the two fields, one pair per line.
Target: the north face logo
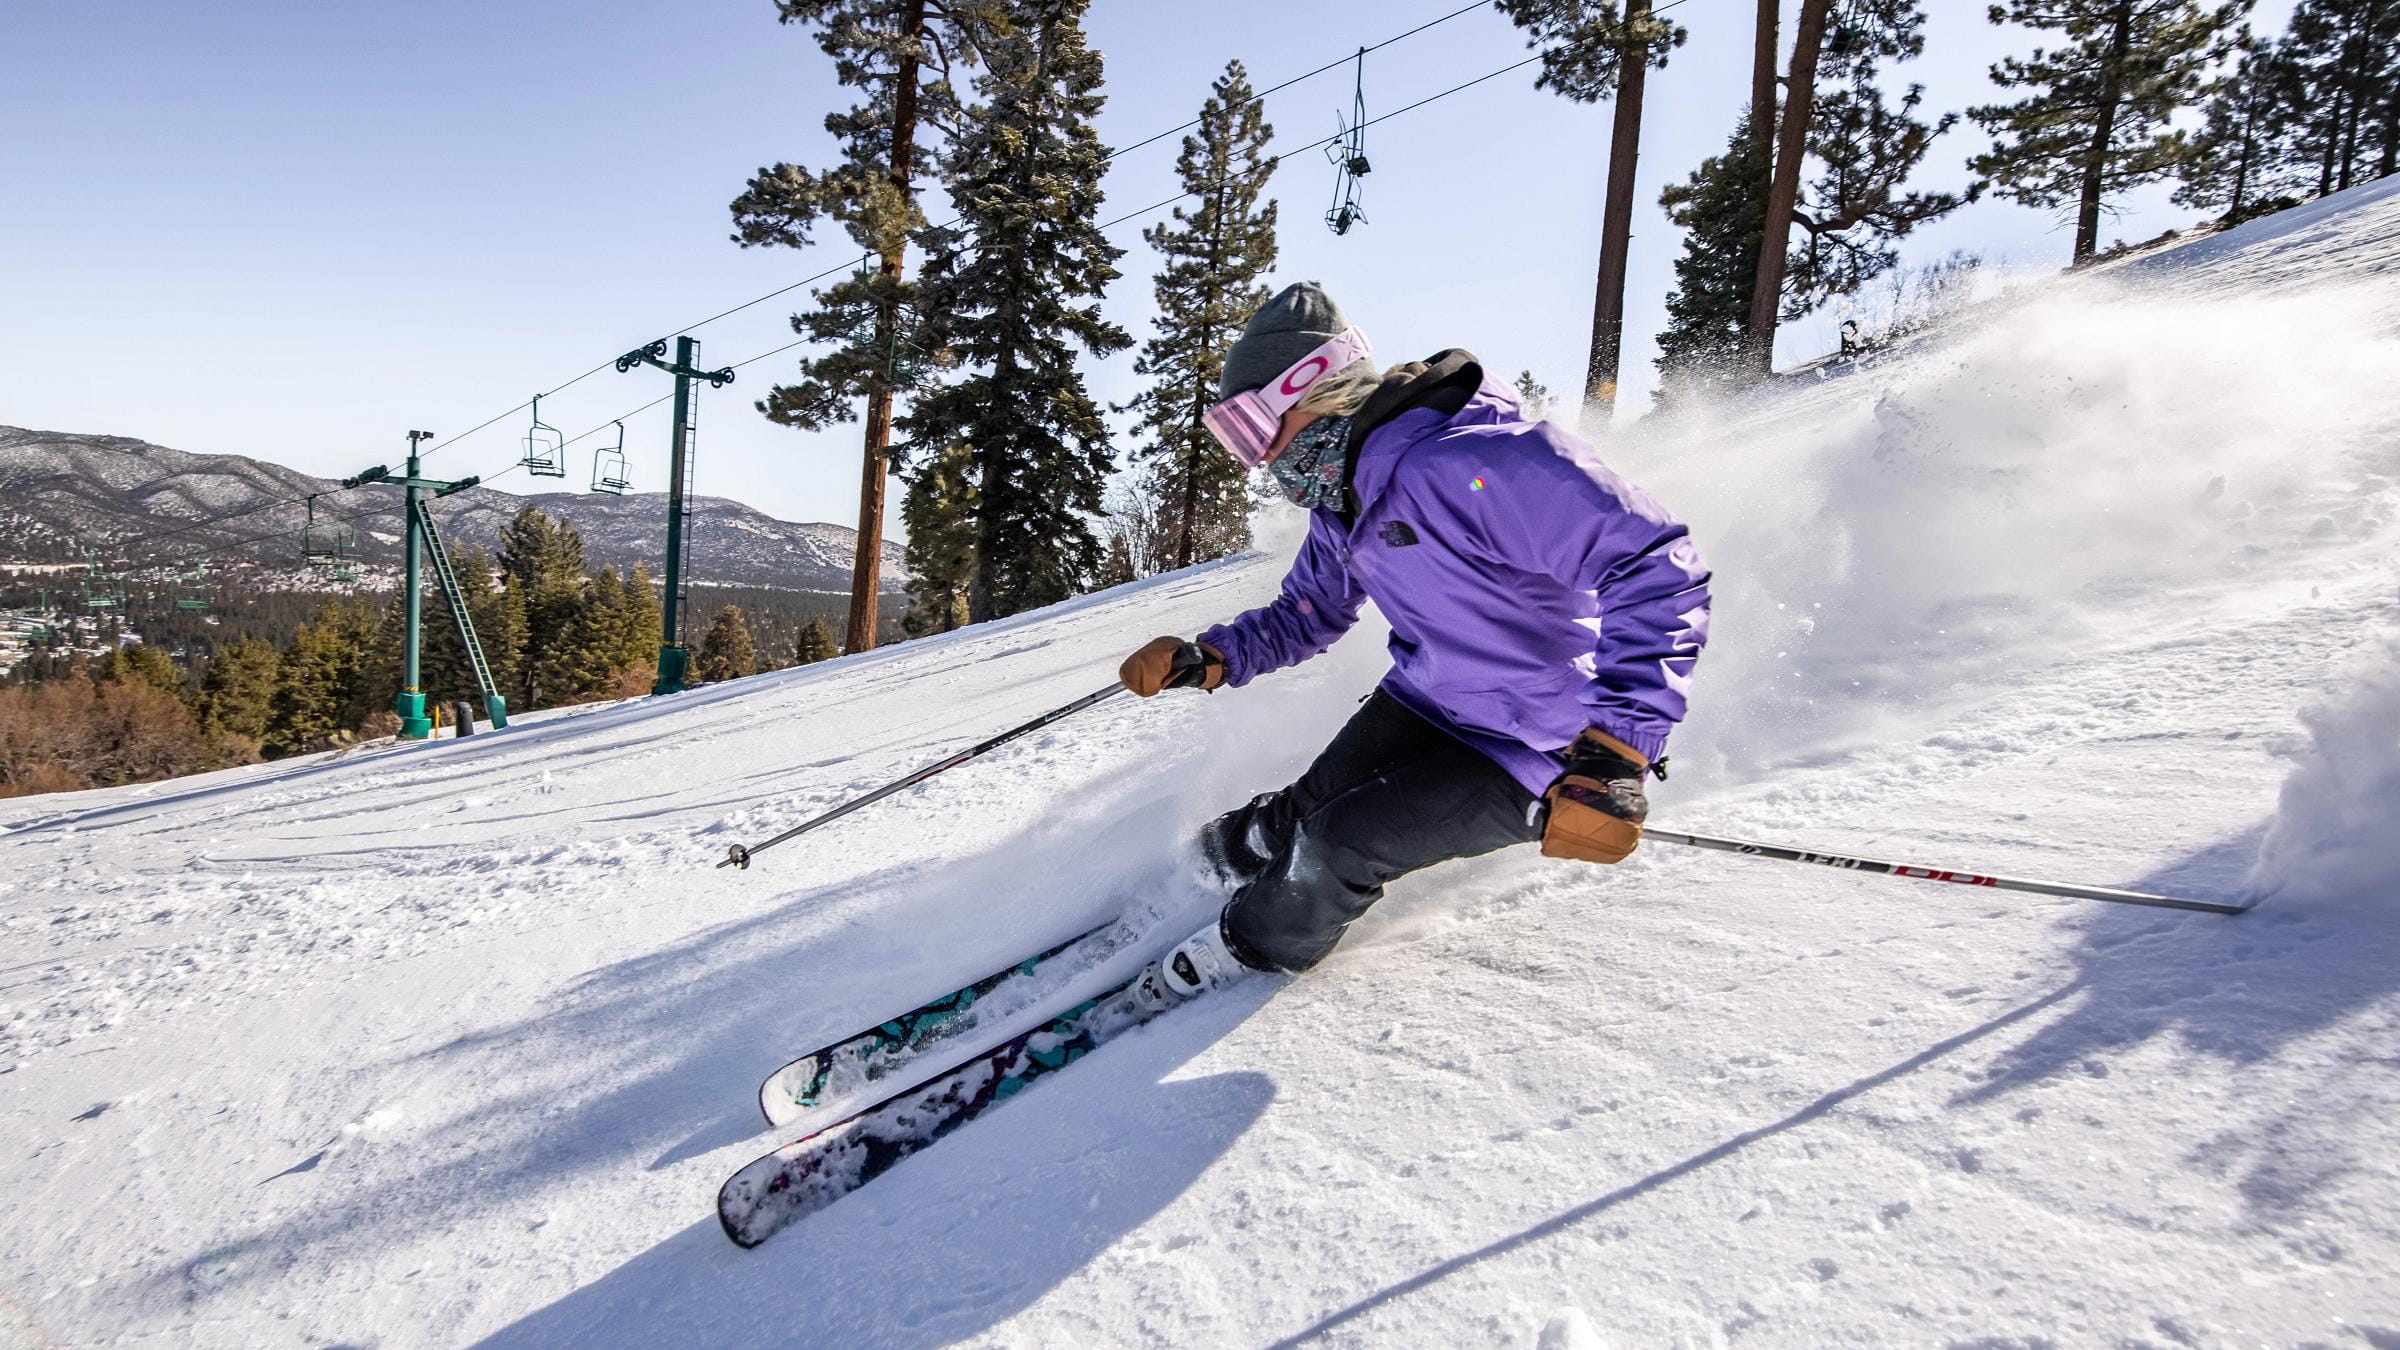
1397,534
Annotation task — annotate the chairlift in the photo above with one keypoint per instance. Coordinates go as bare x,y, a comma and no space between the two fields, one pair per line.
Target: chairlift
1347,153
608,467
329,547
319,544
192,589
545,448
101,588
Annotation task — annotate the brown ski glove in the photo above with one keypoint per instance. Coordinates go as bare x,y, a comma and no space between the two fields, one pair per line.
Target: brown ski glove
1172,663
1595,810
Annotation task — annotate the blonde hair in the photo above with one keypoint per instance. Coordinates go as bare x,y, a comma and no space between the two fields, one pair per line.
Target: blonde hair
1343,392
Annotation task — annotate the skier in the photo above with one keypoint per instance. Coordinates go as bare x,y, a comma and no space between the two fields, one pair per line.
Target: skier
1545,614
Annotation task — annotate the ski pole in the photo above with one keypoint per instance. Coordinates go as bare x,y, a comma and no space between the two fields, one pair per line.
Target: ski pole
739,856
1920,873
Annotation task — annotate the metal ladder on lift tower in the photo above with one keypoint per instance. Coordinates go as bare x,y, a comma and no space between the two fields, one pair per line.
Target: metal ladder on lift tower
442,571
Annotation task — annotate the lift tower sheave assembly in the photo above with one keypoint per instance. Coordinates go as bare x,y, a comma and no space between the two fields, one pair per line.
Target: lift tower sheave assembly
674,658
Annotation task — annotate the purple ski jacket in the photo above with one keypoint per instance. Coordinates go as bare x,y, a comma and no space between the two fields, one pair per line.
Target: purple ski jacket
1531,591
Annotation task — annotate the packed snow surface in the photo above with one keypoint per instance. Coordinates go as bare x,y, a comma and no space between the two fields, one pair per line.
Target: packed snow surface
451,1044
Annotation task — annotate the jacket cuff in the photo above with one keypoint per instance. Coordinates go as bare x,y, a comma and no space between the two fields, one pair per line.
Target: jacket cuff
1220,639
1646,745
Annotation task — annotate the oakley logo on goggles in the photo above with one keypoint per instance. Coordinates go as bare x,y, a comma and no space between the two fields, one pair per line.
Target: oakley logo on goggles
1246,423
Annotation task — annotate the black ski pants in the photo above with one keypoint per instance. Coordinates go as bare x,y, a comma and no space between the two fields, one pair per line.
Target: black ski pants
1391,794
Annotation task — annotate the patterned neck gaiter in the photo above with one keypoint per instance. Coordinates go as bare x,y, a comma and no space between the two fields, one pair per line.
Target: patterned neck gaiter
1310,469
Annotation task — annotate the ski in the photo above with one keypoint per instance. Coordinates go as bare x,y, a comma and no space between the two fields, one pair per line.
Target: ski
802,1177
938,1036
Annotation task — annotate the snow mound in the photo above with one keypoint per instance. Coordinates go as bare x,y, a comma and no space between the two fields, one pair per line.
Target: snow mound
1999,501
2333,840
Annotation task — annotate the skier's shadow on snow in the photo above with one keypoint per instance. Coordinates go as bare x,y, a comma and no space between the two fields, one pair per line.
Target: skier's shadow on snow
1666,1176
959,1238
2236,989
2239,988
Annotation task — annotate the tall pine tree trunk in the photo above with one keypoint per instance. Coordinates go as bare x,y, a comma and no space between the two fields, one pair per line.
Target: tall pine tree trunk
1191,480
2391,135
1188,520
1616,218
866,572
1762,85
2241,166
2333,140
2095,159
1783,193
2358,80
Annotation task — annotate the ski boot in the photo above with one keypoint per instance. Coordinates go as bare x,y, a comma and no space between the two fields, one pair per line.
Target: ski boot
1200,963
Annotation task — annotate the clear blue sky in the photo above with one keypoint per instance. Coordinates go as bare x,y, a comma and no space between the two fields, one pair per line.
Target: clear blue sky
297,230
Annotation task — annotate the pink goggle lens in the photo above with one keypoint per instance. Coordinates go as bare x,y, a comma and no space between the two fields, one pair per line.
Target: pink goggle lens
1246,423
1243,426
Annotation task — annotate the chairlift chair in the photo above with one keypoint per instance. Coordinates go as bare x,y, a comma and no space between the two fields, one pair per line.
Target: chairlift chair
341,555
101,589
191,588
317,542
545,448
608,467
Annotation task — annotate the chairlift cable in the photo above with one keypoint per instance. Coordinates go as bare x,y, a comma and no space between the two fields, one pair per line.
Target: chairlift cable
865,258
1153,208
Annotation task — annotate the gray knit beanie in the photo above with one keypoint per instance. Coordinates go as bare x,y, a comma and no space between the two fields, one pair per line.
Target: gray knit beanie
1300,319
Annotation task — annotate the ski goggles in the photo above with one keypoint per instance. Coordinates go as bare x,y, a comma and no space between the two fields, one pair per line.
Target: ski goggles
1247,423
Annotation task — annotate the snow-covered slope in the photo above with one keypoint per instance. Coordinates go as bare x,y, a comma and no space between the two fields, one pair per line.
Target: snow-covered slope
452,1043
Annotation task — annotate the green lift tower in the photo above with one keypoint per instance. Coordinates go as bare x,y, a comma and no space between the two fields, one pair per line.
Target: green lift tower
674,658
426,541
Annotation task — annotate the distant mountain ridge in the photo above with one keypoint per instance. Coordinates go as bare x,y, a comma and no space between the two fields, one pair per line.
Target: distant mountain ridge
62,492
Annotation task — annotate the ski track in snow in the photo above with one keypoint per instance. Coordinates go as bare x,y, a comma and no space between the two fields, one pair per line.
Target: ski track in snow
452,1043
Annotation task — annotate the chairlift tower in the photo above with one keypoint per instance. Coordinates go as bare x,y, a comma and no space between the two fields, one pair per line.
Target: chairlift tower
423,538
674,658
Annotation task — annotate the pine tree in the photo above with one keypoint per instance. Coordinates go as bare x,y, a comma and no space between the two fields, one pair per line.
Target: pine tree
585,661
1592,51
2095,123
1786,153
1533,396
141,663
1722,214
1215,256
636,622
1015,292
2343,61
327,682
541,564
444,672
939,516
727,652
376,637
899,54
237,695
815,644
1852,211
2237,162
